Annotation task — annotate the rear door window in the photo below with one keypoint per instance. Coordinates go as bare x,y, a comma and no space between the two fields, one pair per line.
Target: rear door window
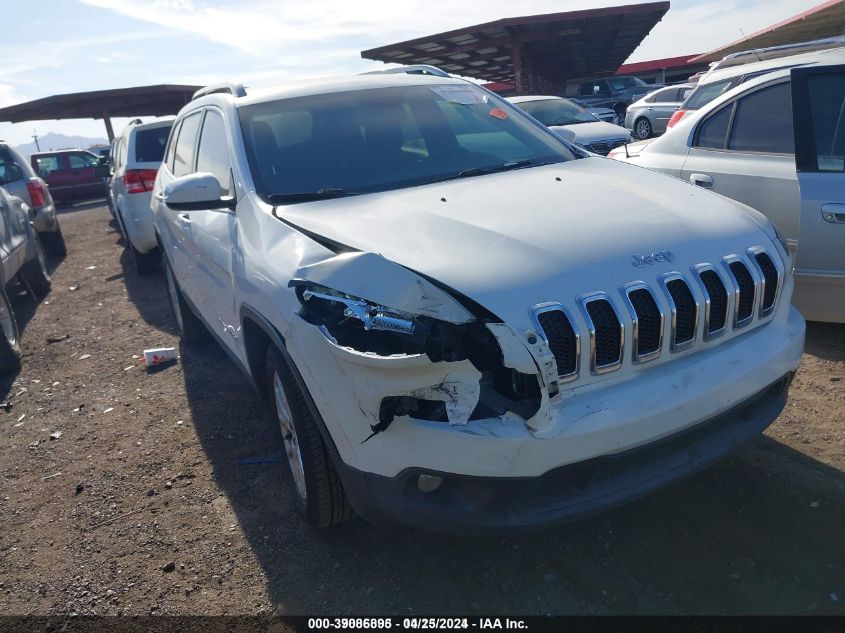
47,164
150,143
827,120
763,122
186,145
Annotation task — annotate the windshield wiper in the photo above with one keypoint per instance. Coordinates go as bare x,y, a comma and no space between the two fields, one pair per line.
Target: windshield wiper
308,196
480,171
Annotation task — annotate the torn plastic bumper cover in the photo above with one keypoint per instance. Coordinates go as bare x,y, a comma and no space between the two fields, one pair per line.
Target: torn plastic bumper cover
495,505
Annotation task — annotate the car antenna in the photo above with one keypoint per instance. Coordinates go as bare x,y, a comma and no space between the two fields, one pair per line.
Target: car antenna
753,50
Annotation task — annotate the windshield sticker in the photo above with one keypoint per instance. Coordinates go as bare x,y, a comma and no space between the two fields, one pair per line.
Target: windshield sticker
499,114
465,95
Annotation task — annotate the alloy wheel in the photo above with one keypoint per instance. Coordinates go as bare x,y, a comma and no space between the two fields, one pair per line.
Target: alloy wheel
294,456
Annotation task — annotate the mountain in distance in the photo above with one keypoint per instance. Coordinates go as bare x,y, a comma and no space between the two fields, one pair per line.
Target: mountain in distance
54,141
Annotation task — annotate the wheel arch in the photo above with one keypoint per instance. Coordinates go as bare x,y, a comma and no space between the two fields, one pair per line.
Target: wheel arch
258,333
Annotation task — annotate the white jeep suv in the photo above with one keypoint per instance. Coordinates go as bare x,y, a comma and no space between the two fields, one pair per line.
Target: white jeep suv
463,322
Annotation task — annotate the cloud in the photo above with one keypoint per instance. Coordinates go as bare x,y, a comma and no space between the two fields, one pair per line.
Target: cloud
9,95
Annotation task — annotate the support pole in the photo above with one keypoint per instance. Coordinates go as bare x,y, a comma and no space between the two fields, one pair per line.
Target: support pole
109,129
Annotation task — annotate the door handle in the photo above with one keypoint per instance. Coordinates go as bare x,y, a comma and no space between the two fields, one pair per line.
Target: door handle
834,212
184,218
702,180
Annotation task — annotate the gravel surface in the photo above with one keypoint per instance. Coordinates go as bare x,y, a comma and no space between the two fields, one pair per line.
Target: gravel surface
164,492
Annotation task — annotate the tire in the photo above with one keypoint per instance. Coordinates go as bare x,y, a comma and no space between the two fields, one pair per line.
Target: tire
642,128
34,272
317,487
10,346
145,263
191,329
54,243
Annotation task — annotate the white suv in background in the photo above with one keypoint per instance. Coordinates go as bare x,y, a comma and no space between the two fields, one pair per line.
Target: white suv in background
777,144
136,156
462,322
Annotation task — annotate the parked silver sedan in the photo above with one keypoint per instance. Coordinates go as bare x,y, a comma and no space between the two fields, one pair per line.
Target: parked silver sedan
649,116
564,117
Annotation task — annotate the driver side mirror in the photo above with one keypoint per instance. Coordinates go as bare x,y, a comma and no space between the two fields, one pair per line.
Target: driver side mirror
196,192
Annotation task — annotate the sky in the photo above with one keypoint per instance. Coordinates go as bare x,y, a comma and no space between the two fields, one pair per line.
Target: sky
60,46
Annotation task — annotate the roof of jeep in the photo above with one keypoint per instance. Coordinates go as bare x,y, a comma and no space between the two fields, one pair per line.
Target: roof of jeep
326,85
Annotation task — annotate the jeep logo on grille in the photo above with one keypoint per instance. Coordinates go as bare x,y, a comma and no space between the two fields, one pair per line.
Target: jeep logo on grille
647,260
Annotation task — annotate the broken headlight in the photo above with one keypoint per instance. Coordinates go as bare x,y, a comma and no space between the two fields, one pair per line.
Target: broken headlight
372,317
365,326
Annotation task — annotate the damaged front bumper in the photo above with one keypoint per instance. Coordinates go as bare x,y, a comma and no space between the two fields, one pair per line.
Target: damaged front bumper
582,451
498,505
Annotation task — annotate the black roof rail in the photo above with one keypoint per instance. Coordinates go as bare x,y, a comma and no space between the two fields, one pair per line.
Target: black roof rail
414,69
234,89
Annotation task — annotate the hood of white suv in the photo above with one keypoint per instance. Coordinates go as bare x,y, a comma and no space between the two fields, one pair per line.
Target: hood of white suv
516,239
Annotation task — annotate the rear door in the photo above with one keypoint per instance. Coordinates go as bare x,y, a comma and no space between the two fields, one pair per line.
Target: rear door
176,225
818,105
86,183
744,150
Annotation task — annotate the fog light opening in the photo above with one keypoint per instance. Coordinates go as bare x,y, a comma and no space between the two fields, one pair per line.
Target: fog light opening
429,483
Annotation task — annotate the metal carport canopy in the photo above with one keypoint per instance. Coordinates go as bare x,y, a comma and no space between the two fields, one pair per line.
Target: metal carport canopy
822,21
537,51
158,100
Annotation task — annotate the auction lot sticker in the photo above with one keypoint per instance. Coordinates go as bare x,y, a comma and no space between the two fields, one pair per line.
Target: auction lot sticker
465,95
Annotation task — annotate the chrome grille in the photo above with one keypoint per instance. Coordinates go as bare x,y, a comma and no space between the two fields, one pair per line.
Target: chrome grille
561,338
606,333
770,283
647,326
744,306
684,313
716,302
698,302
604,147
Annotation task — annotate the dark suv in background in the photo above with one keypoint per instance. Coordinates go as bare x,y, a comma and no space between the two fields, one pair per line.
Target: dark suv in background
616,92
18,179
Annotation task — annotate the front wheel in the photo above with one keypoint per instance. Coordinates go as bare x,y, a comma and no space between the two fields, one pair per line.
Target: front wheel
642,128
317,487
10,346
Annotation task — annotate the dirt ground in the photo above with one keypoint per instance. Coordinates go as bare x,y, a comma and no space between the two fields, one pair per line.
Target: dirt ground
165,492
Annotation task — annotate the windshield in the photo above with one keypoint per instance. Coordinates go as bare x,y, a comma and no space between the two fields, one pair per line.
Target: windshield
703,95
387,138
557,112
